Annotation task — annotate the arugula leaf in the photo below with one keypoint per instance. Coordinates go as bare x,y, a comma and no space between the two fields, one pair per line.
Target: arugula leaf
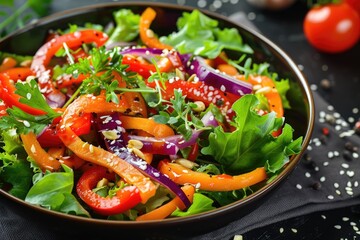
53,191
225,198
127,26
200,204
15,172
22,121
251,145
199,34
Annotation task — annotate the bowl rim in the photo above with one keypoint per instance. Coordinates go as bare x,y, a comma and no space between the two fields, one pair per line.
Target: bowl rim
218,211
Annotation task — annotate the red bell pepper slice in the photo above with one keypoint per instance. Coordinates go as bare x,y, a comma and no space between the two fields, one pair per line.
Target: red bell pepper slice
125,199
81,126
198,91
7,89
46,52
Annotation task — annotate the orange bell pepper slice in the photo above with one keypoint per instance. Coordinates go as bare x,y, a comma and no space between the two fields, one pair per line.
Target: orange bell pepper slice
36,152
99,156
273,96
146,34
148,125
223,182
168,208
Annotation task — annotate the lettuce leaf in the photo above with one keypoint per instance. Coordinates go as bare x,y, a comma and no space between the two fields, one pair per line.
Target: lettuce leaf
127,26
199,34
15,172
53,191
201,203
252,145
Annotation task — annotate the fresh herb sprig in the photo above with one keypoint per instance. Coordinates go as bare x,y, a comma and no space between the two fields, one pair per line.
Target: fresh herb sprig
181,117
100,67
22,121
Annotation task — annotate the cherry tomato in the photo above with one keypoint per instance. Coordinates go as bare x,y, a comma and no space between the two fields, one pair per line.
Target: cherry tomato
332,28
355,4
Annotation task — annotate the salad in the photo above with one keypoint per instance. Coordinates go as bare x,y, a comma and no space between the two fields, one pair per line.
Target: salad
118,122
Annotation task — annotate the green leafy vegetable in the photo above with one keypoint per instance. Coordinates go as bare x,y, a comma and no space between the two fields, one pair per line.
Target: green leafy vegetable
200,35
22,121
127,26
251,145
53,191
17,173
104,62
201,203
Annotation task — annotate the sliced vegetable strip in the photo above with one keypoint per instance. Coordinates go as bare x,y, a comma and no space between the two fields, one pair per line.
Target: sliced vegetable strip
146,34
270,92
168,208
222,182
148,125
36,152
125,198
98,155
7,89
45,53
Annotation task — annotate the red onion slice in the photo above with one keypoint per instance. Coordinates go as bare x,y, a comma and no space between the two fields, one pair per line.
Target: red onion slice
110,127
213,77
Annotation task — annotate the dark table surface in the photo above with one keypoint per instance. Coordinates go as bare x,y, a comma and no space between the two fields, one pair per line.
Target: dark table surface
342,70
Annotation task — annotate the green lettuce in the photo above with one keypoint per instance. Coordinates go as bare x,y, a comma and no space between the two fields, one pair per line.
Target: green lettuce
54,191
201,203
127,26
200,35
252,145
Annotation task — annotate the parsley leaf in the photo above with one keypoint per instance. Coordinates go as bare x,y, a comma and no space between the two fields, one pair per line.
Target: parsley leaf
22,121
99,68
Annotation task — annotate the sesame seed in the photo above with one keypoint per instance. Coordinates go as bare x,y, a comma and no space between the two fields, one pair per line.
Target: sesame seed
281,230
323,216
337,226
345,219
307,174
345,165
33,149
26,123
326,164
298,186
330,197
294,230
337,191
322,179
336,185
342,172
355,228
355,155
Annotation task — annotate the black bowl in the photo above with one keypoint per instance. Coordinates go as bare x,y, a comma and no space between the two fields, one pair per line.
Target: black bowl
301,117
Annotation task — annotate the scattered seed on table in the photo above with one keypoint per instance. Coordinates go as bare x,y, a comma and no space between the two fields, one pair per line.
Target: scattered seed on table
345,219
330,154
337,226
298,186
323,216
336,185
355,155
330,197
325,84
345,165
337,191
355,110
307,174
356,184
349,184
326,164
350,173
330,108
294,230
322,179
342,172
281,230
